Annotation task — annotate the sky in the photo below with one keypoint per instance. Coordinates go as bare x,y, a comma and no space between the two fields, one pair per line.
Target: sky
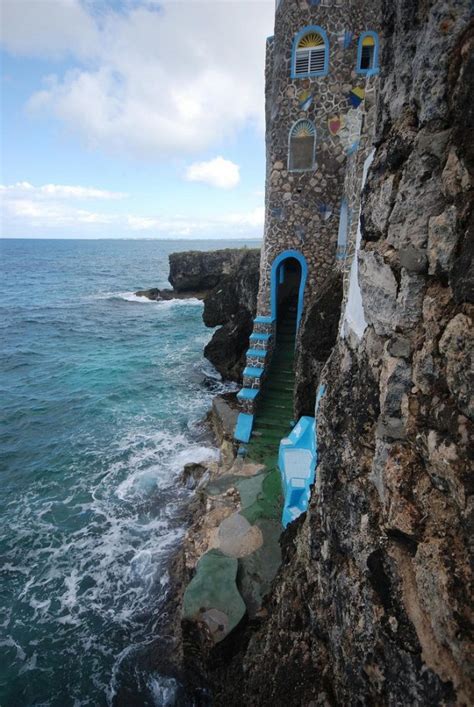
133,118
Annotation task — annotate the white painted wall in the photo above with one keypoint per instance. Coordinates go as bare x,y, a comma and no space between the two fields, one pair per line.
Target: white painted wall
354,319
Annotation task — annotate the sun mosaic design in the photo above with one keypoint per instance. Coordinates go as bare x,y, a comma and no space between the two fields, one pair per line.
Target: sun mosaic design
304,128
310,40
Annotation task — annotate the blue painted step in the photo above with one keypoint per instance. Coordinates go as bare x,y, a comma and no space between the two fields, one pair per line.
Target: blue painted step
261,353
263,320
259,337
248,393
243,429
253,372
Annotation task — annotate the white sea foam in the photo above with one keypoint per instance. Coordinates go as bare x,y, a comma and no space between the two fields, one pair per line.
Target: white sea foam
30,664
157,467
132,297
194,301
163,690
9,642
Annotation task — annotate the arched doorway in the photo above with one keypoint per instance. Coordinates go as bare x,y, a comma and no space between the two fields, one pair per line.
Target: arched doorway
288,280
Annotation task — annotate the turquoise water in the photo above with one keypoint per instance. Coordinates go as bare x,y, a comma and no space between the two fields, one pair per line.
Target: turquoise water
102,396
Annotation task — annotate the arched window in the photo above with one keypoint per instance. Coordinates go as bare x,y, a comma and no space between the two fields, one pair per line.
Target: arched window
368,54
310,56
302,146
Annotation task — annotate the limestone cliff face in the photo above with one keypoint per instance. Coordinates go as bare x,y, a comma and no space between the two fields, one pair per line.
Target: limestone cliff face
372,604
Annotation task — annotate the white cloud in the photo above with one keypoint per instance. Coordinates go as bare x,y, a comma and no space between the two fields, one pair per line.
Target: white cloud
33,211
171,78
52,215
254,218
56,191
218,172
48,28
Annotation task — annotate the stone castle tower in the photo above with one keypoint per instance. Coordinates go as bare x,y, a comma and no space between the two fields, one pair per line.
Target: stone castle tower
322,66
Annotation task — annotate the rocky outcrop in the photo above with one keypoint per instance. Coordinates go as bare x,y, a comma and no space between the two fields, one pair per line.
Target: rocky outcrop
227,281
157,295
204,270
231,304
372,604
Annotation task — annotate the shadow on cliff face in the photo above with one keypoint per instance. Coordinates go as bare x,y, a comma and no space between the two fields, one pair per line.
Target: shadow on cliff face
317,336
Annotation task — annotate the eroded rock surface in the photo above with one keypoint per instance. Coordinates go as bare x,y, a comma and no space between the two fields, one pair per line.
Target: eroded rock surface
227,281
231,305
203,270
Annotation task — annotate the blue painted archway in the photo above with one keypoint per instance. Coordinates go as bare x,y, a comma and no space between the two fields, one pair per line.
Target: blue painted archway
275,281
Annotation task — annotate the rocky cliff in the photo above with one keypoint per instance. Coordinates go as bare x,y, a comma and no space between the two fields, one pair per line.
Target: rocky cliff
203,270
372,604
227,281
232,304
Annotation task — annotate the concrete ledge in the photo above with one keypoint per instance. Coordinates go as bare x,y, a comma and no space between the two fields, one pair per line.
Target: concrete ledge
212,596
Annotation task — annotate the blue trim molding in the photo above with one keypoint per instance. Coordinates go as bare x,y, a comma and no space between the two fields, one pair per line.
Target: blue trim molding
275,278
301,33
374,69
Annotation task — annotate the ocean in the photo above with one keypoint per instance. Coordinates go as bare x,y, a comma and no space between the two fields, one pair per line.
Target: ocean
102,400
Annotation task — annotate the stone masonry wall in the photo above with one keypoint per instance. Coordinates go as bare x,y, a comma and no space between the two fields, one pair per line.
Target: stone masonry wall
302,208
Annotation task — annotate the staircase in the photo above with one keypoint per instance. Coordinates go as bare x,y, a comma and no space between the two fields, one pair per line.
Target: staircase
273,419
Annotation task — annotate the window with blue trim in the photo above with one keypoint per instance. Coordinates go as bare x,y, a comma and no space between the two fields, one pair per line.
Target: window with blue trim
367,53
302,146
310,55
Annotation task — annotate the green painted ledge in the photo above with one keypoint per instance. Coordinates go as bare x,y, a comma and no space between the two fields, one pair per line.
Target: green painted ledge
212,595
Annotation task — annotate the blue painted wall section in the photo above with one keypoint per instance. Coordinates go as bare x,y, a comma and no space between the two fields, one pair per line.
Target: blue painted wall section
297,461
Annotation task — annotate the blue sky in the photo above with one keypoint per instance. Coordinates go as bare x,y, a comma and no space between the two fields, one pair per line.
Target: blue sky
133,118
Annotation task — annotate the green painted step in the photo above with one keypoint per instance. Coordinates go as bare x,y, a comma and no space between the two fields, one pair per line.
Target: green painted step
279,388
282,418
268,436
269,410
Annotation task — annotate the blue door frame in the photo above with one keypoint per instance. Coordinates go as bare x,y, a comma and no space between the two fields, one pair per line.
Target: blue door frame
275,281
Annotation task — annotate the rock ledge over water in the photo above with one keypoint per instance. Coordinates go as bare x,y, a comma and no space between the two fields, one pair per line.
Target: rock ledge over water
227,281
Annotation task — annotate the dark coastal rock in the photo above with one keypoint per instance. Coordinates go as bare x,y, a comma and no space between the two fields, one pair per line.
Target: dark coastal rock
157,295
203,270
227,281
192,474
232,305
226,350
